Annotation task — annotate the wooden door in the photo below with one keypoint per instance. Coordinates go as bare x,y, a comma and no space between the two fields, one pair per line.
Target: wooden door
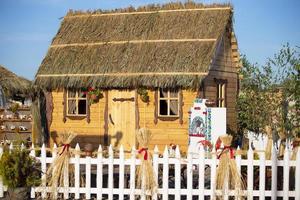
121,118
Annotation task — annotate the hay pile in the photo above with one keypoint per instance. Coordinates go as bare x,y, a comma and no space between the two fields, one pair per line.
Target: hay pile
227,172
145,172
81,28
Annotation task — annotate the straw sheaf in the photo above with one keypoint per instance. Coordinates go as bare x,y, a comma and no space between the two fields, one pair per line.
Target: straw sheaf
88,43
13,84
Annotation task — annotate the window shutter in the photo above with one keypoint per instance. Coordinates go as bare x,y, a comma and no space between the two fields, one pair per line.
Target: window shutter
180,107
88,111
65,106
156,106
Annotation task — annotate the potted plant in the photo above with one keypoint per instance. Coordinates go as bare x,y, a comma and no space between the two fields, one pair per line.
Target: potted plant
19,172
143,94
14,109
94,95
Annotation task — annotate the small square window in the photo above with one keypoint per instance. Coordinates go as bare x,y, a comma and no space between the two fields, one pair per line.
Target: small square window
168,103
76,103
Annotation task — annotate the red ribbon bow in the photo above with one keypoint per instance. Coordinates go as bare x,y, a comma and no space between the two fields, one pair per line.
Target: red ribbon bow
145,150
205,143
66,147
231,151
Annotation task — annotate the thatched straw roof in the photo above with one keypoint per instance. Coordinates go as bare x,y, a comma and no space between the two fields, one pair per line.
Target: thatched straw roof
13,84
170,45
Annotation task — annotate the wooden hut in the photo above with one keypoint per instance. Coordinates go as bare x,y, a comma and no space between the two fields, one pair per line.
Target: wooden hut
150,64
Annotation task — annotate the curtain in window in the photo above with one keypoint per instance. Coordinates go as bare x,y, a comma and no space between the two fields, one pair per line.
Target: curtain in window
174,103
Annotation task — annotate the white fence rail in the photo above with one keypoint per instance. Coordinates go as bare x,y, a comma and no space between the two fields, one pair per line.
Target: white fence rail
192,177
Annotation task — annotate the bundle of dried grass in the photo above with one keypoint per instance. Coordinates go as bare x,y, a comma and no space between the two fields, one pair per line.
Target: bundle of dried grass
60,169
145,172
269,143
227,172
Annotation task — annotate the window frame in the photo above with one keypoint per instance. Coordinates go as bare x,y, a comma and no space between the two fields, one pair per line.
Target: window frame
77,99
221,93
168,99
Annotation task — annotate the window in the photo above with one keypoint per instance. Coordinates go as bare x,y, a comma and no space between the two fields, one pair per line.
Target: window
168,103
221,93
76,103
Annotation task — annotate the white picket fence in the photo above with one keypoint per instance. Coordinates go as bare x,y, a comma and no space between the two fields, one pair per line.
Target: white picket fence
114,178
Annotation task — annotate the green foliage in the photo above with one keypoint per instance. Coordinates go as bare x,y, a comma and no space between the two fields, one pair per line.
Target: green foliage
143,94
270,94
18,169
14,107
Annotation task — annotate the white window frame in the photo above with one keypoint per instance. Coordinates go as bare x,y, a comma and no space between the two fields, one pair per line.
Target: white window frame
221,95
76,98
168,98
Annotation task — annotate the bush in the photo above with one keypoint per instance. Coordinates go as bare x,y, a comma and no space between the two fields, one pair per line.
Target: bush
19,169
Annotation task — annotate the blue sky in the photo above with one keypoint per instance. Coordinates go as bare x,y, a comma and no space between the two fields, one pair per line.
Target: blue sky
28,26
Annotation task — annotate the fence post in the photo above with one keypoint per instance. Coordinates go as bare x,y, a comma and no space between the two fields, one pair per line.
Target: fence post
32,154
189,174
1,181
132,173
99,173
155,168
177,173
121,173
88,177
274,173
165,174
43,168
201,172
250,174
213,176
297,184
110,172
66,182
286,173
77,171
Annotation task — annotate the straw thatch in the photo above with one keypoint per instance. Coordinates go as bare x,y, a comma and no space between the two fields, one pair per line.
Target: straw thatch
13,84
170,38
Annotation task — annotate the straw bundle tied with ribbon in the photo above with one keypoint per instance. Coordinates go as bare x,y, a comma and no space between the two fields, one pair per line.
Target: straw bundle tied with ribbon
228,175
145,172
60,172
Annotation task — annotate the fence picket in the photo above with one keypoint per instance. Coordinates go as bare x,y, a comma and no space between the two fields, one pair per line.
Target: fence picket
99,173
213,168
132,173
54,154
297,174
189,175
177,173
110,172
88,177
121,174
44,170
286,173
250,174
274,173
165,173
155,167
32,154
262,175
201,172
77,171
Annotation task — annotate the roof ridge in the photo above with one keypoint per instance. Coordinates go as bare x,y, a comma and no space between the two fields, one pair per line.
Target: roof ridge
147,12
133,42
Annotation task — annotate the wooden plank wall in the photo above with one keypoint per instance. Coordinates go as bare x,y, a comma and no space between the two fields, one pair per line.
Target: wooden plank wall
88,132
167,132
223,67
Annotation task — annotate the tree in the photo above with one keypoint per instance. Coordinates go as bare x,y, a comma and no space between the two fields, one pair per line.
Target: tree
270,94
